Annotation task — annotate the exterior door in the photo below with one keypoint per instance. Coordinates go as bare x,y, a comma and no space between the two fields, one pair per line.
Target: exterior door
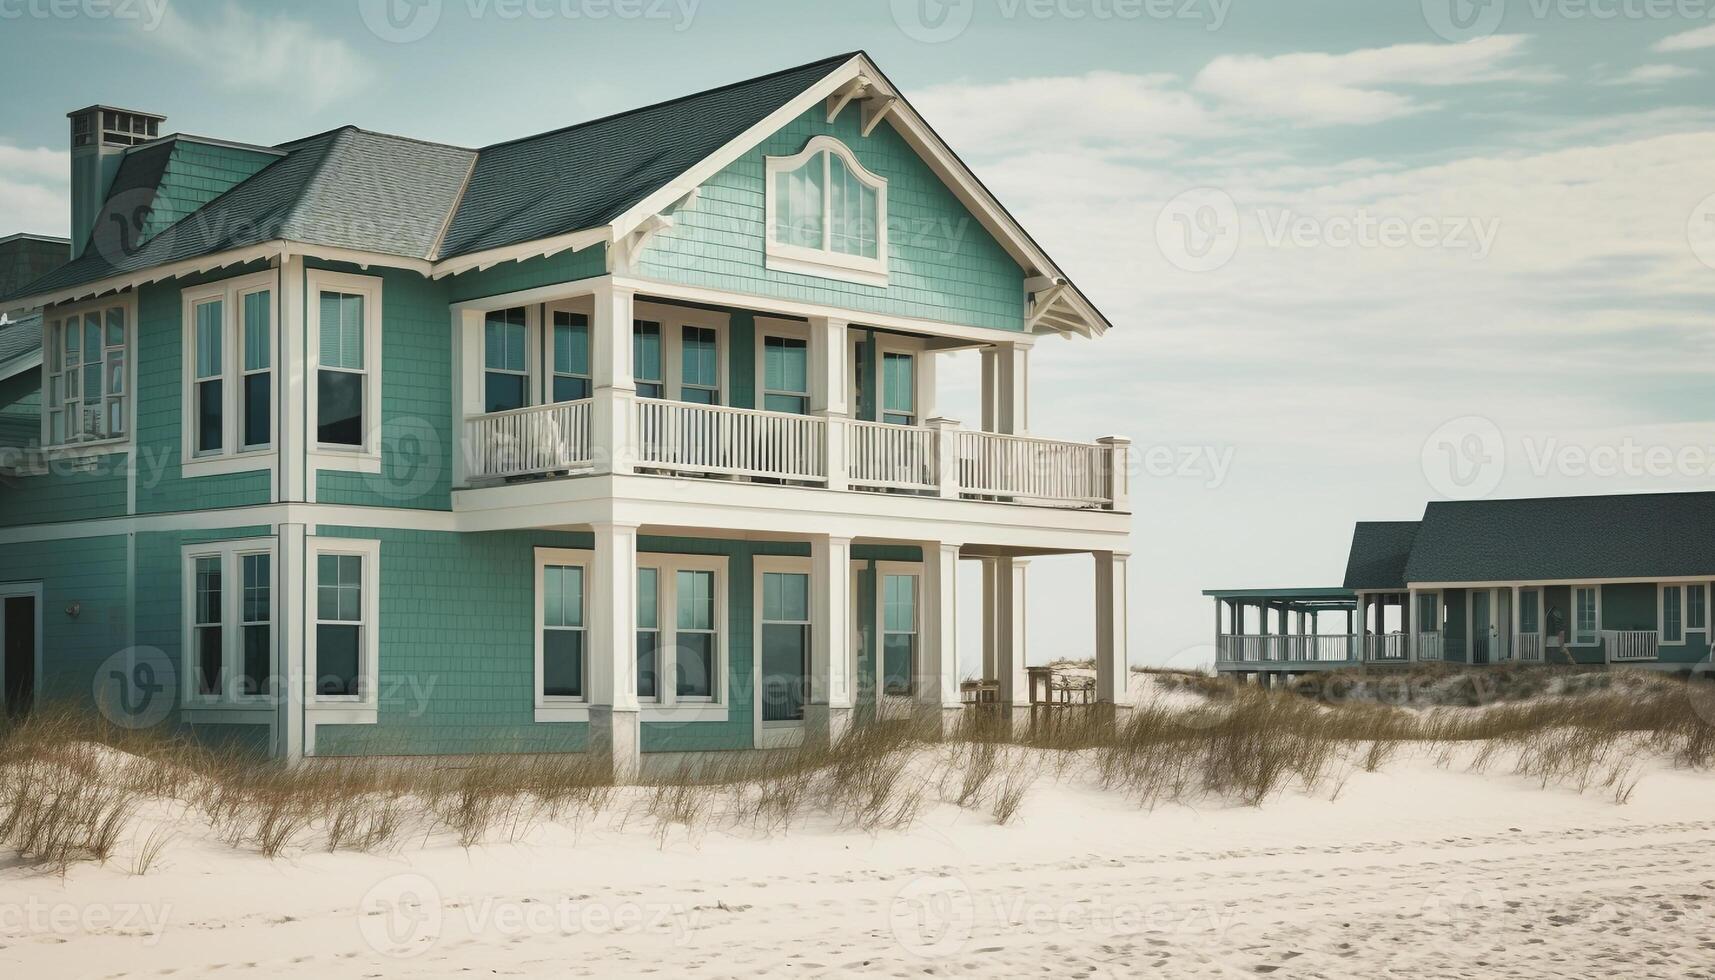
1482,627
1503,630
19,626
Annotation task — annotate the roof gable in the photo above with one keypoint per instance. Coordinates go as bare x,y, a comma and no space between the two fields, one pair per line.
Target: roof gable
1380,550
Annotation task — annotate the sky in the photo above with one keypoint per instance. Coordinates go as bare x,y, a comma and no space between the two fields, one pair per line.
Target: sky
1358,255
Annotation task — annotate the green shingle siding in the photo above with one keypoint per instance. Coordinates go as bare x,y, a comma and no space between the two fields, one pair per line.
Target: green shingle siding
510,277
21,409
92,573
67,492
195,174
942,263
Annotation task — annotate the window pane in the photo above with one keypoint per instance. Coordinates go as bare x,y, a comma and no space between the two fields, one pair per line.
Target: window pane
258,605
257,332
646,350
900,597
798,204
563,595
208,660
898,383
570,389
700,396
208,339
695,600
503,347
700,360
1696,607
785,597
790,404
1672,618
341,330
208,605
696,665
571,343
648,602
785,669
1527,613
563,663
258,660
786,365
337,648
208,416
339,408
504,392
899,655
258,410
1426,605
91,338
647,662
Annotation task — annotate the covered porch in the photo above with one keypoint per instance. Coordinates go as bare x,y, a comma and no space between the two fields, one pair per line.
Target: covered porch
1290,630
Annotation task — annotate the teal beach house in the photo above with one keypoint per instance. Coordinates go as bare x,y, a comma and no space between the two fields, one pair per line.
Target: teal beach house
621,438
1619,579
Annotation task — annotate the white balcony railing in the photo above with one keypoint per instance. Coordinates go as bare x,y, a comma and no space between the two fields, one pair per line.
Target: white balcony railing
1529,647
995,464
541,439
1387,648
1273,648
1628,645
691,438
885,457
1431,646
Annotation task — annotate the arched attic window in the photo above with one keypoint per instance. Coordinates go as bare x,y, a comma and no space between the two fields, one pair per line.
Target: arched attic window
827,214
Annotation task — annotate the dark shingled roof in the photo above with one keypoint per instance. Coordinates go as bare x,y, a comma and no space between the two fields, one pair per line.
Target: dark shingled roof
587,175
19,338
1380,550
1649,535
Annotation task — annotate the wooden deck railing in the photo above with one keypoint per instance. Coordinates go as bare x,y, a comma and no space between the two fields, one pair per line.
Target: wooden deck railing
1628,645
691,438
995,464
891,457
541,439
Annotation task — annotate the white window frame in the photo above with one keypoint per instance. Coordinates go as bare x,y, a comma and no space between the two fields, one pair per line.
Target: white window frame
898,344
232,457
365,458
673,319
882,570
1685,627
545,345
1576,637
344,710
761,565
792,330
533,356
668,706
561,707
1541,610
230,554
93,447
825,262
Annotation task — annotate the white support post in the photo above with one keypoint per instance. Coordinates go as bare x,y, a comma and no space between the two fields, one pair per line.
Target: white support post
614,735
612,411
1119,472
828,714
1004,628
288,680
1411,627
829,374
1113,671
946,455
1005,374
938,676
294,391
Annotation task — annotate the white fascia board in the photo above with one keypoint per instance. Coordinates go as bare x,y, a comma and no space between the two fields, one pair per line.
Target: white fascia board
575,241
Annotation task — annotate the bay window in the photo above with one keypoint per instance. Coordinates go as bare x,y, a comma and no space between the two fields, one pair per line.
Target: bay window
826,214
86,380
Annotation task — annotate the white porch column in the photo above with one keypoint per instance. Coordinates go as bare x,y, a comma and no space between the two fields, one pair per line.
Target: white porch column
829,381
1412,628
1113,672
1004,651
1119,471
612,656
1006,403
290,573
946,455
614,386
828,714
938,667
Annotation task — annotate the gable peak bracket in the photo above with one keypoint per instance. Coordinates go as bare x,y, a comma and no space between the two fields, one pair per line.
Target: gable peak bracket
856,90
628,248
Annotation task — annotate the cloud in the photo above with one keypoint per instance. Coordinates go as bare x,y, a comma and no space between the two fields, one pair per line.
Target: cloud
32,190
1357,87
1651,75
264,53
1144,114
1702,37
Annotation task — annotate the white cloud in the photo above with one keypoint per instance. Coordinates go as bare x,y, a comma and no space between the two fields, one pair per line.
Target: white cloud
1145,114
1651,75
32,190
1359,86
35,163
264,53
1702,37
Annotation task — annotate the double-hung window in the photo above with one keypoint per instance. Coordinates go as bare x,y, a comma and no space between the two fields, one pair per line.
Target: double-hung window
1586,615
346,336
571,356
676,353
697,639
1684,610
681,603
564,615
785,374
898,633
1672,615
648,633
700,377
785,633
1529,612
229,370
826,214
506,367
646,359
229,622
86,379
898,388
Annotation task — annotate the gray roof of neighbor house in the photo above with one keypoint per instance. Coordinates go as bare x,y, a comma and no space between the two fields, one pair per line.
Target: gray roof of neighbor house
25,258
1379,553
352,188
20,342
1647,535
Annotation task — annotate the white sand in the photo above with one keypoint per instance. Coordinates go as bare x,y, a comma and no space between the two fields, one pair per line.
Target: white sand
1416,871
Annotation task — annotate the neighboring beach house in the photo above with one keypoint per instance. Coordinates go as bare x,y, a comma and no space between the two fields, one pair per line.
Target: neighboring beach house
1617,579
622,437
